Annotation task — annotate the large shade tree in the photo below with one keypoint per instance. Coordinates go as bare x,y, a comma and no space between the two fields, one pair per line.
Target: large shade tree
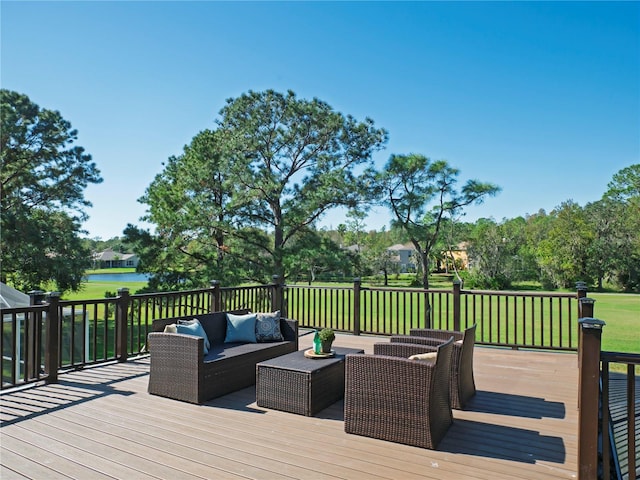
421,193
42,180
314,253
500,253
296,159
615,219
191,203
273,166
563,254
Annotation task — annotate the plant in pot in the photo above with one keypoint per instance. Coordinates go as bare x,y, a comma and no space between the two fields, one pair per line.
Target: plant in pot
326,337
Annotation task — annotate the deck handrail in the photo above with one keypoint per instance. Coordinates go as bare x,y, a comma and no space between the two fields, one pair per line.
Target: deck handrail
619,443
54,337
76,333
505,318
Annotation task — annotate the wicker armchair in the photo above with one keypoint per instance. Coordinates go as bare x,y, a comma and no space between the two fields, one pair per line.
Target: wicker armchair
390,397
463,386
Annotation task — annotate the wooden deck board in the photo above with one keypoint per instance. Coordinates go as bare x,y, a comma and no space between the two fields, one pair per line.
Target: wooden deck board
102,423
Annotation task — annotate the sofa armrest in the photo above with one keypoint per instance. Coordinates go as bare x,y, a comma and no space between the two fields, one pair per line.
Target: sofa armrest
289,329
176,365
179,349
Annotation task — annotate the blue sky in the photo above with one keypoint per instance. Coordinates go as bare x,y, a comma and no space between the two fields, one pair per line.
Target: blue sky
540,98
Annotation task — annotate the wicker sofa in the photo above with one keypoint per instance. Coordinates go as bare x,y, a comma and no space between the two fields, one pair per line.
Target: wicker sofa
180,370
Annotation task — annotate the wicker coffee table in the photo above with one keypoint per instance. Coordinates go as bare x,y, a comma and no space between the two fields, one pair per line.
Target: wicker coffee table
296,384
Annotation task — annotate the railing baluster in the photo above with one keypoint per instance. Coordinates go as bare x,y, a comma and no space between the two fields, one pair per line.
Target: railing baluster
16,350
94,337
631,415
506,320
606,445
379,311
26,350
561,337
542,321
487,313
533,321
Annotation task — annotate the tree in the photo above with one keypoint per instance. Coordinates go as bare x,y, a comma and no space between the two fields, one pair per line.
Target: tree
616,250
355,237
192,204
625,185
313,253
499,253
420,192
354,231
42,181
378,257
243,194
296,159
563,254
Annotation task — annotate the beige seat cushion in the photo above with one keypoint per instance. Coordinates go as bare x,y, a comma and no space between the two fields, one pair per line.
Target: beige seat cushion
425,357
171,328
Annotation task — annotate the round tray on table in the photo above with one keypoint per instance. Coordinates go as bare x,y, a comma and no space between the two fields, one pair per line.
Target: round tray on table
312,354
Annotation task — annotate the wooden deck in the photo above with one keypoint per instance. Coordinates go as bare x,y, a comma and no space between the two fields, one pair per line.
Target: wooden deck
101,423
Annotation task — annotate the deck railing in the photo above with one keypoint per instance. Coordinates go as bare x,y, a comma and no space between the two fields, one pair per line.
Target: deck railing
50,336
510,319
53,334
608,403
619,409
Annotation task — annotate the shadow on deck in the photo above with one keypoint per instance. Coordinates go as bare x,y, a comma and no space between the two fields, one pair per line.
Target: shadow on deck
100,422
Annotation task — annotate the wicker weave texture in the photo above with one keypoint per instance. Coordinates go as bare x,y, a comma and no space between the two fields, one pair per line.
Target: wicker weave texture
390,397
174,369
179,370
442,335
463,386
296,384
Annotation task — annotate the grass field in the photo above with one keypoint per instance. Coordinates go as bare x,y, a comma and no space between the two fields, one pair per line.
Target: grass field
621,312
111,270
94,290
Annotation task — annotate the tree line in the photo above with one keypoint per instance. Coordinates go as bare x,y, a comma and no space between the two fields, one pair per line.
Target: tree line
243,200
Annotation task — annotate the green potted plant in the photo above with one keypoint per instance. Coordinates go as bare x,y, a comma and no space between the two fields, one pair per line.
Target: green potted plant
326,337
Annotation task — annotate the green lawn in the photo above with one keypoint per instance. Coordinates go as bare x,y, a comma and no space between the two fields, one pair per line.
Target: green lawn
621,312
111,270
95,290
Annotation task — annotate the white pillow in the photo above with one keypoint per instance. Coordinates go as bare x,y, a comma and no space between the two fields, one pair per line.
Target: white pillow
425,357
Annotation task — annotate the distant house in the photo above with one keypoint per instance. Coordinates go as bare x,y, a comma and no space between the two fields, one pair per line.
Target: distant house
403,255
353,248
111,259
457,254
12,298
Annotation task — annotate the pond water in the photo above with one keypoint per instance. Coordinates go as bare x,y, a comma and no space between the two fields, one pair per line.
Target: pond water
118,277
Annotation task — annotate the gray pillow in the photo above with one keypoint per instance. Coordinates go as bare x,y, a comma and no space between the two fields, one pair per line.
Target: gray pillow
268,327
